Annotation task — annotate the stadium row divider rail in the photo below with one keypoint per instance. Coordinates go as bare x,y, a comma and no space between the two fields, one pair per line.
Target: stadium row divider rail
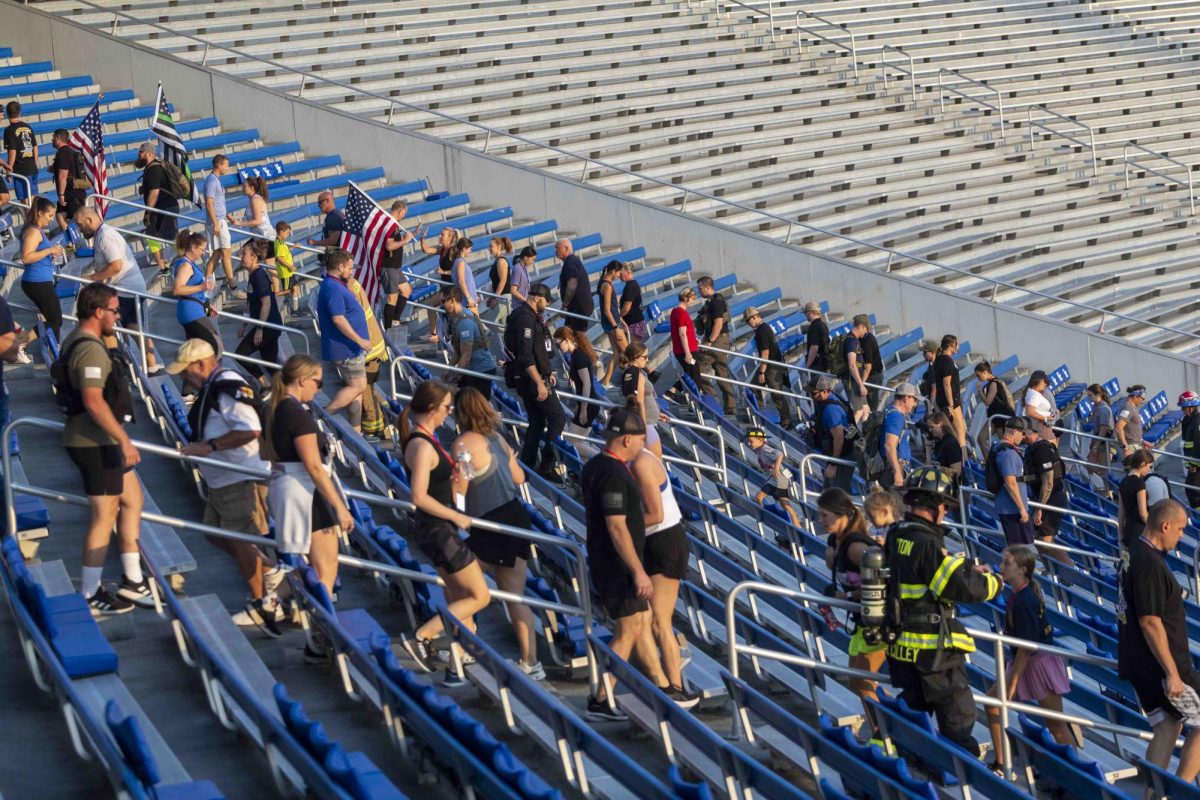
583,610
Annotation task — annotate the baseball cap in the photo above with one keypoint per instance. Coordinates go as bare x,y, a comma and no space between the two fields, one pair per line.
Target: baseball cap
929,346
540,289
749,314
148,147
1015,424
190,352
625,421
755,433
812,305
825,383
862,319
907,390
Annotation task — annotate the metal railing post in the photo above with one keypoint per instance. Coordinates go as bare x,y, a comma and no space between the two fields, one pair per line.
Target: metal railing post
137,305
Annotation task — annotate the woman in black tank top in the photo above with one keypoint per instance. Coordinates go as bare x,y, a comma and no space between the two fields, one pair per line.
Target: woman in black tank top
848,540
445,267
431,477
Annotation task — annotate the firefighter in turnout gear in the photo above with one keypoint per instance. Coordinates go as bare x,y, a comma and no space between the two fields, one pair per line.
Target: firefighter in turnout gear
926,653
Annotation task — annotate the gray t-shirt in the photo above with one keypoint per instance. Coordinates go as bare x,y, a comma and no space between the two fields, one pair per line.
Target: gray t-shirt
1102,417
110,246
1127,411
214,189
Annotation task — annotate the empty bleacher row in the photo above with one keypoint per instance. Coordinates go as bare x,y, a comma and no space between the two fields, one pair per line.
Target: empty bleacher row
731,540
702,95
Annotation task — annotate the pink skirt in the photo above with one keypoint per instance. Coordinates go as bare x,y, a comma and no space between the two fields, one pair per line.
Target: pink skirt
1044,674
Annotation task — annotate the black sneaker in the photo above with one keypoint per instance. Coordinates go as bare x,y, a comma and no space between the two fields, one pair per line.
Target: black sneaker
315,656
137,593
600,711
105,604
683,698
420,650
264,618
452,679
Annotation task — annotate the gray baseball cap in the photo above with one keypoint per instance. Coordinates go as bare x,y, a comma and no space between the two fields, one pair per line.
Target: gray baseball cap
825,383
907,390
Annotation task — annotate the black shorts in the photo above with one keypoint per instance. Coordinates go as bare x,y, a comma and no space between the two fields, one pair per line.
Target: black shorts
771,490
128,306
390,278
666,553
70,203
614,585
323,515
1153,698
438,540
103,469
1015,531
500,549
1049,527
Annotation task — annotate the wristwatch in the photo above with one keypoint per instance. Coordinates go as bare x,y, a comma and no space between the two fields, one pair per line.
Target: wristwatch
213,444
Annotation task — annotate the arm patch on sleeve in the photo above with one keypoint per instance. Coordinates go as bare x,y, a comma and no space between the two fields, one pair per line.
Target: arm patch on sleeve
613,501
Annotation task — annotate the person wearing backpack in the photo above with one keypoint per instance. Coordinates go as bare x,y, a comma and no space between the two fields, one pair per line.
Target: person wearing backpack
94,395
893,451
69,179
1047,485
996,398
158,192
1004,477
226,425
833,431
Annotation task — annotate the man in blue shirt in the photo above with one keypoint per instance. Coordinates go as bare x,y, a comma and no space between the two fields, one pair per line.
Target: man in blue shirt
1012,497
333,224
833,432
470,343
344,338
216,224
893,437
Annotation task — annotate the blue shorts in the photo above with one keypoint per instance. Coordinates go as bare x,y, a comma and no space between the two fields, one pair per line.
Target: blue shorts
22,189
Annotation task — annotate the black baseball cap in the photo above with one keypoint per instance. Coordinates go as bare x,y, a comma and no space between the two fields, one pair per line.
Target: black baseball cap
1015,424
540,289
625,421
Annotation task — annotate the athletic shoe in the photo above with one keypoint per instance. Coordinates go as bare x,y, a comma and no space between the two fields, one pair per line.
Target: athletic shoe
273,578
238,294
453,680
534,671
443,657
155,371
137,593
682,697
105,604
23,357
245,619
600,711
419,650
371,438
265,617
314,656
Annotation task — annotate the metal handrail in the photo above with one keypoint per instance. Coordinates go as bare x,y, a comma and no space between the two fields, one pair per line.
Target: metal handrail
394,370
942,89
806,461
852,48
769,13
13,201
1083,434
683,191
912,68
501,297
583,610
1091,143
791,366
1155,154
1005,705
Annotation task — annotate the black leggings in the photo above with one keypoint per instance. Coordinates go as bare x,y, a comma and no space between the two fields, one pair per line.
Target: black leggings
268,350
45,297
204,329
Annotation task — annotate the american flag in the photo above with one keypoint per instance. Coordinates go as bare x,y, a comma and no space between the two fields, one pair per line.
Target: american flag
367,227
88,139
174,151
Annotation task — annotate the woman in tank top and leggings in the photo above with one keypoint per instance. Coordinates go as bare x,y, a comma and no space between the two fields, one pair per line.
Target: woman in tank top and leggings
192,288
489,474
848,540
37,256
666,560
431,476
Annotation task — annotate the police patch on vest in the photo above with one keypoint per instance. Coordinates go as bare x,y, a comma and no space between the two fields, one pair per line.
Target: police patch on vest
612,501
245,394
528,333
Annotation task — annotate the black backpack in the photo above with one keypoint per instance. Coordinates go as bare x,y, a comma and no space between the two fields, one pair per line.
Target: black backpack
177,185
116,388
868,446
236,388
992,479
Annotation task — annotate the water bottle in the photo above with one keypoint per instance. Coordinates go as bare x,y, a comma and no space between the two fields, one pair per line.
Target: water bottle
466,466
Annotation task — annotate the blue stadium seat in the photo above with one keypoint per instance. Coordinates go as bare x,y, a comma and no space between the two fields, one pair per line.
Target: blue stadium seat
128,735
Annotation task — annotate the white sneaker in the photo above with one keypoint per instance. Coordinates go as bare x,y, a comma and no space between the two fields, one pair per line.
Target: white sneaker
443,657
243,619
272,579
23,357
534,671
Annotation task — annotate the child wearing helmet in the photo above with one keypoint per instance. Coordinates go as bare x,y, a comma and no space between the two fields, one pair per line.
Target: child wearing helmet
779,478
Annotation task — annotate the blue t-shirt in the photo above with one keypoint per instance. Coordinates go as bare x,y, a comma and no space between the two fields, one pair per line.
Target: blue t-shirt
190,306
833,415
469,331
895,423
1009,463
214,189
336,300
334,223
1026,617
258,289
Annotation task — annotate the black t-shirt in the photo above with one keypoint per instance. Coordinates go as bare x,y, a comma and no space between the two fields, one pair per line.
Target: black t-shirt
609,490
258,291
395,258
581,302
68,158
870,349
947,451
334,223
19,137
155,177
1042,456
818,335
1025,617
943,366
764,339
1146,588
632,294
1131,485
293,420
716,308
852,345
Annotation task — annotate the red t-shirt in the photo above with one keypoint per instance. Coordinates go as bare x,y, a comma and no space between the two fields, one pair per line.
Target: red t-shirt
680,318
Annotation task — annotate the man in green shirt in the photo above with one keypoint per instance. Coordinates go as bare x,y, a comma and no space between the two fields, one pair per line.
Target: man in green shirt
95,439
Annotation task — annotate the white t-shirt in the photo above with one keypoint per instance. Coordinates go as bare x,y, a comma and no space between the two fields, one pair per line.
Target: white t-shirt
109,246
1040,404
231,415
